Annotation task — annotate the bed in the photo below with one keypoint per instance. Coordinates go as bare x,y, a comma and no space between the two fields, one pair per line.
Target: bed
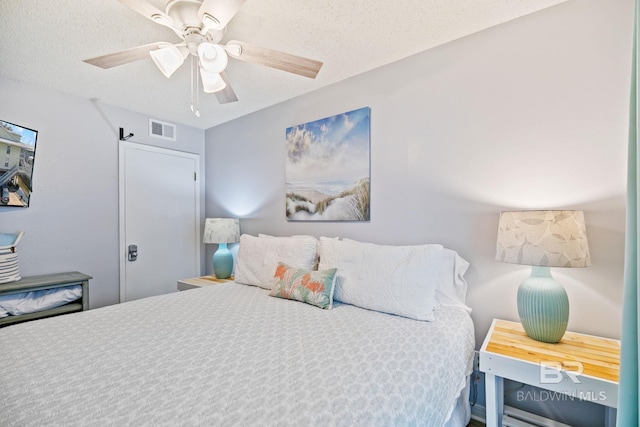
235,354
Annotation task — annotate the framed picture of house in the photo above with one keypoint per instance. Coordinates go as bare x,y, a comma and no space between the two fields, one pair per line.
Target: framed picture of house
17,157
328,168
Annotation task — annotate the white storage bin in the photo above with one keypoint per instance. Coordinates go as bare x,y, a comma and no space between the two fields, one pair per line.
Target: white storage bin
9,271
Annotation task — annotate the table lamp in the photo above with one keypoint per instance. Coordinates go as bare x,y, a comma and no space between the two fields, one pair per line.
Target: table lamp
222,231
543,239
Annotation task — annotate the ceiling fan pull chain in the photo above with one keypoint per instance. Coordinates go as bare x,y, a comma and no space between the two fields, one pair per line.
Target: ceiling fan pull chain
193,110
197,82
194,89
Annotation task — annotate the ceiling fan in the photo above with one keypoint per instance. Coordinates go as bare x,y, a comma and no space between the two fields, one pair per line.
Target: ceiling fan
201,25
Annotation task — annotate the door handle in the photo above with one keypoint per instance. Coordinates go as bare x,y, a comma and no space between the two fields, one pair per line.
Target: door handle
132,254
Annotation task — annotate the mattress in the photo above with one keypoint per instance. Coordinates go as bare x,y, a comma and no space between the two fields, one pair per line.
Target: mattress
230,354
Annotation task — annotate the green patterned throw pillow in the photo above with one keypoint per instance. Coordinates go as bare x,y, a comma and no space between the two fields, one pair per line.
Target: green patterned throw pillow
310,286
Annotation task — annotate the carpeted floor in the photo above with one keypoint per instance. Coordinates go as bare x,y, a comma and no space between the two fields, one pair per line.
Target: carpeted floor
474,423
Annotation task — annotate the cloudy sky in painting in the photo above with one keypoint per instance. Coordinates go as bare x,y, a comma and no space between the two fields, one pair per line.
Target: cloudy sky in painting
334,148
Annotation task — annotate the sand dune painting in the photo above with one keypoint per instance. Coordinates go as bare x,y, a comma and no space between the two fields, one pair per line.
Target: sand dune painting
327,168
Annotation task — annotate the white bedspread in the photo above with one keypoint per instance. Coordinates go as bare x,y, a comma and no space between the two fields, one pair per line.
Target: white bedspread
231,355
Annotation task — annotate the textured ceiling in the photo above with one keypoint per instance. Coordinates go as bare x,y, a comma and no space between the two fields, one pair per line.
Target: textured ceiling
44,42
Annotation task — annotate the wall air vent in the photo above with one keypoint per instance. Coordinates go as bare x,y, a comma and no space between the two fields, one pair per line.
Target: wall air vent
162,129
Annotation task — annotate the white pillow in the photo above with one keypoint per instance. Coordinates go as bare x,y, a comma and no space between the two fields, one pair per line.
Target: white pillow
452,287
400,280
295,236
315,265
258,258
451,290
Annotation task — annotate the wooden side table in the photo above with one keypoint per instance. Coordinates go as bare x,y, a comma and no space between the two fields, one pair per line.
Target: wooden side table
47,281
581,366
199,282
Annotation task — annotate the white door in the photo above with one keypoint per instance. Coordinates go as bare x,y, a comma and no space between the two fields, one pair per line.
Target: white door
159,214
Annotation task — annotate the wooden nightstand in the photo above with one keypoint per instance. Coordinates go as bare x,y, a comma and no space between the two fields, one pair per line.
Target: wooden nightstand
580,366
199,282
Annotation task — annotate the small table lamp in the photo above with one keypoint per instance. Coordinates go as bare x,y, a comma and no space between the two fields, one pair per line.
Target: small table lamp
222,231
543,239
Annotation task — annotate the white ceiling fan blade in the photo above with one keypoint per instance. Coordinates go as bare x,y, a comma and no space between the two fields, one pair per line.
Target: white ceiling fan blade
149,11
227,94
124,56
221,10
274,59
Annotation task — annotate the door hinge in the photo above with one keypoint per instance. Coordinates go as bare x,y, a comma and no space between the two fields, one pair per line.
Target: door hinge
195,176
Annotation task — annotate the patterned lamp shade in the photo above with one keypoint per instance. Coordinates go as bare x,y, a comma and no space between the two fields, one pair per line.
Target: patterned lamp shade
543,238
221,230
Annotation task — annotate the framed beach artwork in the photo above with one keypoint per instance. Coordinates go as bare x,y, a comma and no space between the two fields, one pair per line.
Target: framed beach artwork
328,168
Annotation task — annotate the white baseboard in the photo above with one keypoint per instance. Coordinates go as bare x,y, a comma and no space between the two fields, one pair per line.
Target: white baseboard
479,413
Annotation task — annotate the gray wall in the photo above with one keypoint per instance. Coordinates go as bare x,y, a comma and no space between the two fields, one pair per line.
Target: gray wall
530,114
72,222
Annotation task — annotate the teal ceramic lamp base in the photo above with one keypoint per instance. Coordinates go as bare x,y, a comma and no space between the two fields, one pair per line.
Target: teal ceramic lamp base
543,306
222,262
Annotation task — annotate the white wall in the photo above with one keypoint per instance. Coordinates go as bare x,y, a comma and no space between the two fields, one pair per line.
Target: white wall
72,221
530,114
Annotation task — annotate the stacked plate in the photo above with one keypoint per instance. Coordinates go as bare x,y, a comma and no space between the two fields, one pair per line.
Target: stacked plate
9,271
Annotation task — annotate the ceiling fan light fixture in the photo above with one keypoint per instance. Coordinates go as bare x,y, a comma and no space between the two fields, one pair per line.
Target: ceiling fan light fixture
211,82
233,49
213,57
168,59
